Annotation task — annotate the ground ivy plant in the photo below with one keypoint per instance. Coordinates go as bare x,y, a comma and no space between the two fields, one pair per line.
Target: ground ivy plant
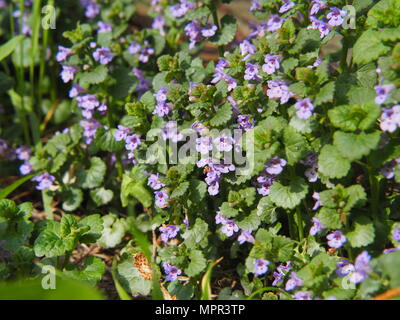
309,98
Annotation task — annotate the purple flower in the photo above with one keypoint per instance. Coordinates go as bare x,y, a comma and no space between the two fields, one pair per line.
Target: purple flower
143,84
245,236
271,63
335,16
274,23
362,268
245,122
311,174
45,181
265,182
134,47
383,92
162,110
132,142
89,129
68,73
158,24
302,295
396,234
171,271
293,282
388,170
209,30
180,9
317,5
260,267
92,10
171,132
169,232
229,228
279,89
255,5
286,6
251,72
281,272
231,82
76,90
161,198
344,267
145,54
391,250
224,143
316,227
321,26
204,145
246,49
161,95
103,55
304,108
26,168
23,153
275,165
318,202
336,239
194,32
154,181
63,53
390,119
121,133
104,27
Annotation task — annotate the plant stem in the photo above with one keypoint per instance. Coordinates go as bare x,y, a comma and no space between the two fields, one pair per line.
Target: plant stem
214,10
300,223
292,229
374,194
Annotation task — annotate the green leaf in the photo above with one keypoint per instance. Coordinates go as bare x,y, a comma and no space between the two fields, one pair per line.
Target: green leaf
51,242
197,263
222,116
363,232
181,190
329,218
94,176
96,76
355,146
228,211
101,196
289,196
197,235
95,224
8,48
131,279
369,47
250,222
125,83
351,118
72,199
388,265
295,145
105,140
325,94
331,163
113,231
92,271
15,226
137,190
227,32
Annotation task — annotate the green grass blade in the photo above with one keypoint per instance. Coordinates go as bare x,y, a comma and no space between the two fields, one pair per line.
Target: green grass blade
8,190
206,281
8,48
123,295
